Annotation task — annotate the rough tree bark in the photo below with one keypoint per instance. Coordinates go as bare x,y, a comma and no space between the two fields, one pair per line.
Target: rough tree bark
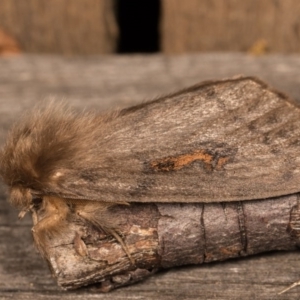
162,236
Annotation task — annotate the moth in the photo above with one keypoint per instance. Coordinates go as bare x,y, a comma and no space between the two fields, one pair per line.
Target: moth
218,141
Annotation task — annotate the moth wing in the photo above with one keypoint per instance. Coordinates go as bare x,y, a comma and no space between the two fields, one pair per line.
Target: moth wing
230,140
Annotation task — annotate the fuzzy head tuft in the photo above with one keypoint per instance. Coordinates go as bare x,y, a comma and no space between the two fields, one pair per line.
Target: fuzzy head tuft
41,146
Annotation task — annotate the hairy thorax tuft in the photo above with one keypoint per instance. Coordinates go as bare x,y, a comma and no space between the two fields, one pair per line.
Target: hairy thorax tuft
20,197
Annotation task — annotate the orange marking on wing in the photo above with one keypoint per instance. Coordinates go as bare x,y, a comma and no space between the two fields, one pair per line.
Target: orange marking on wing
174,163
221,162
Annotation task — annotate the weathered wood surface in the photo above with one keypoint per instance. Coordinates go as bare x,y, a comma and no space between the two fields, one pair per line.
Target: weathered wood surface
61,26
213,25
110,81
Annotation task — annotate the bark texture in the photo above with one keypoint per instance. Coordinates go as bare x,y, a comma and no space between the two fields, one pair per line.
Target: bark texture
162,236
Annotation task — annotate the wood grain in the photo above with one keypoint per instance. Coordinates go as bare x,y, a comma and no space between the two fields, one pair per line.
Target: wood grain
66,27
212,25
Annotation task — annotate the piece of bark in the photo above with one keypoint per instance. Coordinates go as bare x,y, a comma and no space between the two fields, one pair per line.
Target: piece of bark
162,236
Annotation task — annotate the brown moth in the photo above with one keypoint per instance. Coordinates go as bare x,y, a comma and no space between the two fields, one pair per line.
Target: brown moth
217,141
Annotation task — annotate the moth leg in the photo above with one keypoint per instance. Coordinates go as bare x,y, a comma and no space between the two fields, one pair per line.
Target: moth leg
114,233
80,246
50,222
97,213
44,231
289,287
22,213
34,216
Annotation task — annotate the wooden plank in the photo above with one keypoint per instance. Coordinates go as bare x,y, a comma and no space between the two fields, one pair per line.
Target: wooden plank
230,25
61,26
118,81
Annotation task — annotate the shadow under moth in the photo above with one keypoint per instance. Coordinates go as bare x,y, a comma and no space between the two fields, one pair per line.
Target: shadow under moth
219,148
